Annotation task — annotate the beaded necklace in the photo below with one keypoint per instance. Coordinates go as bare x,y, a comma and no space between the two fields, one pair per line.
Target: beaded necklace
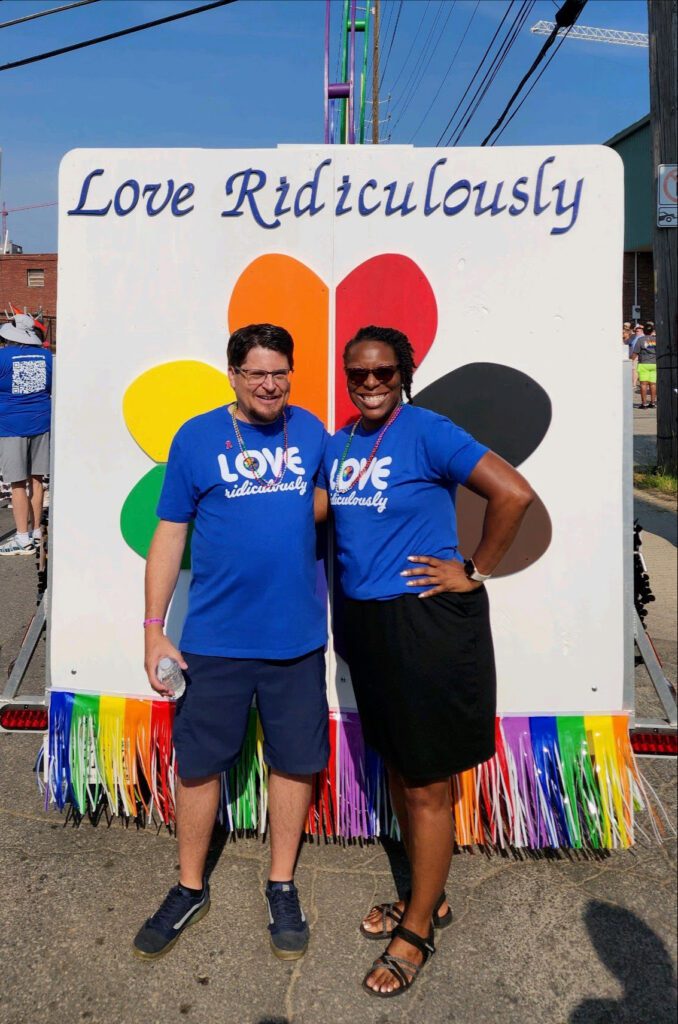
341,471
250,462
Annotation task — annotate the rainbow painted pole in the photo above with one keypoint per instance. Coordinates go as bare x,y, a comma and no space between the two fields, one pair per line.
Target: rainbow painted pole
341,96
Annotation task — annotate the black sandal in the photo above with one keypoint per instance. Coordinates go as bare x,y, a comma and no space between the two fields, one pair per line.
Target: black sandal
404,971
390,912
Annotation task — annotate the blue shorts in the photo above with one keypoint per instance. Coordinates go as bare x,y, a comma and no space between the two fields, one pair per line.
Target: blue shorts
211,718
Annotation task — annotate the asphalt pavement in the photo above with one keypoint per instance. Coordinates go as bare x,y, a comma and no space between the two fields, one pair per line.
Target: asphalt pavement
549,940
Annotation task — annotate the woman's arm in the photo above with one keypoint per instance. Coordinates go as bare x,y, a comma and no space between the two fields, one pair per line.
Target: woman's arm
508,497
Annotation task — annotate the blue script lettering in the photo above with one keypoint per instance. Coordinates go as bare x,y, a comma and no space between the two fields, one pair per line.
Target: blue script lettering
403,208
130,195
247,192
562,207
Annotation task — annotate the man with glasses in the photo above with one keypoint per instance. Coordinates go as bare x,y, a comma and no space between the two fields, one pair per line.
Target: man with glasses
244,476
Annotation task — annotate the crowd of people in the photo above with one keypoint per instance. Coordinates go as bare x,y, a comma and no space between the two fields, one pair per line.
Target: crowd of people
641,342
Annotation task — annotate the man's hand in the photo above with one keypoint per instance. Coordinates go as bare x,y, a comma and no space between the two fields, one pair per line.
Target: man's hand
440,575
158,646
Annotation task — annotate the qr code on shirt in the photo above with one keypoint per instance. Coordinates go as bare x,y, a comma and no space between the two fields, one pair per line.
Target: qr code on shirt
28,376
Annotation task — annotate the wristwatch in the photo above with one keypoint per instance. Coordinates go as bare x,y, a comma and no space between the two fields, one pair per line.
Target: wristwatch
472,572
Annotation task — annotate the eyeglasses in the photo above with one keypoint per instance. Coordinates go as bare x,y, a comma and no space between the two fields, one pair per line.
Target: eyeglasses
384,374
256,377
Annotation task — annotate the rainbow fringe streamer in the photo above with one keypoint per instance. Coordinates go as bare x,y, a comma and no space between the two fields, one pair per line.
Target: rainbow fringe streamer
568,782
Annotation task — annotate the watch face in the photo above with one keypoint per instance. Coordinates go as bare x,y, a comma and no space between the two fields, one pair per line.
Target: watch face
469,568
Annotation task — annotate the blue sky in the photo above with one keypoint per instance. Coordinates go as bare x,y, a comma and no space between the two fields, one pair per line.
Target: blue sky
250,74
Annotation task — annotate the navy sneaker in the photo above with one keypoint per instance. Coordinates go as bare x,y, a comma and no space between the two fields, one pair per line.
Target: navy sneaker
288,926
176,912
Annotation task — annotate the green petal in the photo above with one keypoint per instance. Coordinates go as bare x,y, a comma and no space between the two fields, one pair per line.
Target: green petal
138,519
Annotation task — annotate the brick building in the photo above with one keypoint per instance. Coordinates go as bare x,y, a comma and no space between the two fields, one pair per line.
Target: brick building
29,281
634,145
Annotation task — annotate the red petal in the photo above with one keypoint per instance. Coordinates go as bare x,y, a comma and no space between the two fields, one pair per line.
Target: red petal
386,291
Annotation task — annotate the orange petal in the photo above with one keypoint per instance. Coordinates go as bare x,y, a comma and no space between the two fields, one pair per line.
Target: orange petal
277,289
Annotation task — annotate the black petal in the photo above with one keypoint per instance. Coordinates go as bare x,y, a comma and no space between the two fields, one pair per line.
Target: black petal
500,406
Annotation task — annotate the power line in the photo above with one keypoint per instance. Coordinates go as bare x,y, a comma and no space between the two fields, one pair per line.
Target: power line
43,14
565,17
395,29
414,40
425,66
475,74
420,64
495,68
115,35
447,73
507,123
383,29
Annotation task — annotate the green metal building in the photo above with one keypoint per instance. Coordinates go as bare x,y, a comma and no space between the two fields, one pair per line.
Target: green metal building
634,145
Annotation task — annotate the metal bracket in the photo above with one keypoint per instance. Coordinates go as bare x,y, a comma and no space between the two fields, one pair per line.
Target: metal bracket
25,654
665,691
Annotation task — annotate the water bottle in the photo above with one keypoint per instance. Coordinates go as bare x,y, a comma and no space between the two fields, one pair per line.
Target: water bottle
171,676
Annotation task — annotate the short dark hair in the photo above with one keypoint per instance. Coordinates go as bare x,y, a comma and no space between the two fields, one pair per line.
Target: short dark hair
400,344
259,336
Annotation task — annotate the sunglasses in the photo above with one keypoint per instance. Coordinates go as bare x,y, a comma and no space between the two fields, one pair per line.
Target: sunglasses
384,374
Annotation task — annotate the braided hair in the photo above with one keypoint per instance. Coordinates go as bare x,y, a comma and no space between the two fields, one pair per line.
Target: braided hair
400,344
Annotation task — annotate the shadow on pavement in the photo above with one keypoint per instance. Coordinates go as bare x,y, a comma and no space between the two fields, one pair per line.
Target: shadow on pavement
638,958
220,836
399,865
661,522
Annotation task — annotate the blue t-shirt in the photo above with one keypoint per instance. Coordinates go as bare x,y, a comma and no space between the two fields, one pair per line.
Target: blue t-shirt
25,389
253,588
403,505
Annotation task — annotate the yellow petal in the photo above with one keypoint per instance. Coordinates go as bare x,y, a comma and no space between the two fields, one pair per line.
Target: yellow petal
160,401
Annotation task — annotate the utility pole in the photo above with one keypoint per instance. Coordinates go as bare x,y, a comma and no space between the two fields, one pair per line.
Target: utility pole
663,28
375,77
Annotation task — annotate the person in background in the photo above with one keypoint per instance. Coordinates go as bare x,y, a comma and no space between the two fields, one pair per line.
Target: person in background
637,332
25,414
645,356
627,338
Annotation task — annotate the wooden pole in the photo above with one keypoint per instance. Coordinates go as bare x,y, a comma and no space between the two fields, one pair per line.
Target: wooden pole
663,29
375,77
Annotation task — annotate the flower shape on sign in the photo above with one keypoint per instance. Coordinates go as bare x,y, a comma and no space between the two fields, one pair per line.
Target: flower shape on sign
501,406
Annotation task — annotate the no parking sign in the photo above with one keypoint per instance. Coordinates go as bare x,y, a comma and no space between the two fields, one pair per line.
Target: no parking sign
667,196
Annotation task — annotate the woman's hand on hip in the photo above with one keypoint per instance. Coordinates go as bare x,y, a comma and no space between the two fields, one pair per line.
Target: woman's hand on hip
440,575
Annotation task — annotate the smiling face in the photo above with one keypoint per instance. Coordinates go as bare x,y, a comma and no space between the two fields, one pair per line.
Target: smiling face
261,385
373,380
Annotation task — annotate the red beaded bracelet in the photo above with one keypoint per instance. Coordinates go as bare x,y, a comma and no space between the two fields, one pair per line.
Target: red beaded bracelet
149,622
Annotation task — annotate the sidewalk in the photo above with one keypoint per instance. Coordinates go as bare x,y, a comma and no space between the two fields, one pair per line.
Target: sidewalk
568,940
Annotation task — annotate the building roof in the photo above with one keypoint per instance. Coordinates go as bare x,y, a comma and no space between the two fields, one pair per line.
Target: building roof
625,132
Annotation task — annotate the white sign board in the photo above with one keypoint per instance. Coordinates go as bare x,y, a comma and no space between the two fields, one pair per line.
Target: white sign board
492,259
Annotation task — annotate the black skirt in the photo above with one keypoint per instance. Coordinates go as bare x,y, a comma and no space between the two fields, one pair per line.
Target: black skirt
424,680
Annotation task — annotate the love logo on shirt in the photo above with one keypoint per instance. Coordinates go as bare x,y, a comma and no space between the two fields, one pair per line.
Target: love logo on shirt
374,478
248,469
